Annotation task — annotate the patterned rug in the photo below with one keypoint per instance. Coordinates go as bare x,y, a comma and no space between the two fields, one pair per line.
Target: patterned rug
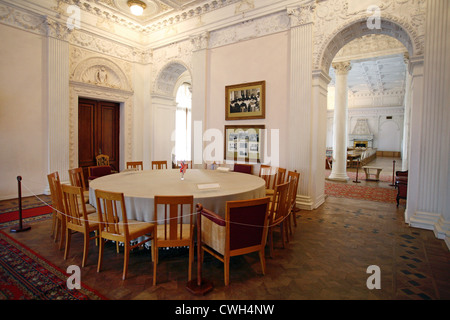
354,191
24,275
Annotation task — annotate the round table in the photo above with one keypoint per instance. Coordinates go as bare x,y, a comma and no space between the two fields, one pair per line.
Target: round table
211,188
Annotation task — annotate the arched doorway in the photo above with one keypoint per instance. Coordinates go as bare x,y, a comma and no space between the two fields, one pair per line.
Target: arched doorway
326,51
166,110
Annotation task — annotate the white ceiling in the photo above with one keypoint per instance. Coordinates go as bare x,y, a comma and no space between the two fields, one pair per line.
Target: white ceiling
376,75
155,8
378,68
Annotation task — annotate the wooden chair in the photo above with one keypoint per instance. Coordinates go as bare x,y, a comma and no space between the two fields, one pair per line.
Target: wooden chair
77,219
102,160
189,164
173,231
77,179
137,165
243,167
115,225
58,218
244,230
98,171
278,213
159,165
269,175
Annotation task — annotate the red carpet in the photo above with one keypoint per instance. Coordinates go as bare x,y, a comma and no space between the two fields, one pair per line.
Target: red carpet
26,213
24,275
354,191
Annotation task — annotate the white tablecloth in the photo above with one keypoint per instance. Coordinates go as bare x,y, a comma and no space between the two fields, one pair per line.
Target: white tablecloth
211,188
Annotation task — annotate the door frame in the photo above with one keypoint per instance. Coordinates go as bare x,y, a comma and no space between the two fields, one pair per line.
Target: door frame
125,100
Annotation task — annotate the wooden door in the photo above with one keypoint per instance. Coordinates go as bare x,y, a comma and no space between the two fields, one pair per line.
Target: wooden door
98,132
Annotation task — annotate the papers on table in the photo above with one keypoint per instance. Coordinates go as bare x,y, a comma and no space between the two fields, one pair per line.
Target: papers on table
208,186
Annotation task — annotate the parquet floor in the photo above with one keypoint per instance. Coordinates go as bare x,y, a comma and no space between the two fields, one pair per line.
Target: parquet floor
327,258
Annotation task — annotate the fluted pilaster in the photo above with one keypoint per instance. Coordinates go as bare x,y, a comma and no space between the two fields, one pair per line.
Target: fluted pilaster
430,197
58,101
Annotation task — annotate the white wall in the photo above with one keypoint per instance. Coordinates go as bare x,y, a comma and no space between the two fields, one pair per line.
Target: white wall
264,58
23,118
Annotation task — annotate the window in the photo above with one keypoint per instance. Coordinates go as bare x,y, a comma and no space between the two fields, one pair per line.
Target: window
183,123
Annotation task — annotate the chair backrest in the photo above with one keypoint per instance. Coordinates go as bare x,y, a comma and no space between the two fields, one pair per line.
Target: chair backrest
244,168
281,174
247,222
112,214
401,173
189,164
99,171
159,164
77,177
55,191
177,209
280,204
135,165
293,176
75,206
102,160
269,175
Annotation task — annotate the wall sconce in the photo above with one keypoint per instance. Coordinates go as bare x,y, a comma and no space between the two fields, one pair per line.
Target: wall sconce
136,7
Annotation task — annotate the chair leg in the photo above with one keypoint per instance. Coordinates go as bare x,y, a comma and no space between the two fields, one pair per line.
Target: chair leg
100,253
191,260
271,242
126,258
63,228
85,249
263,260
68,238
226,270
155,261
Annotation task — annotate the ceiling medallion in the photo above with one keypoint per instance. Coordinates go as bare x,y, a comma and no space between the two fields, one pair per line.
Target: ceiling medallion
136,7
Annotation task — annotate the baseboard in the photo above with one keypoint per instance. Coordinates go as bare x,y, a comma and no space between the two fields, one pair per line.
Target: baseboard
434,222
307,203
424,220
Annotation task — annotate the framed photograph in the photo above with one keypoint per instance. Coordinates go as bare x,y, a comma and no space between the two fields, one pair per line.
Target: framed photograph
245,101
244,143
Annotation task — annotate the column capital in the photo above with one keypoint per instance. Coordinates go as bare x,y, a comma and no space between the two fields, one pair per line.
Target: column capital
200,41
301,15
342,68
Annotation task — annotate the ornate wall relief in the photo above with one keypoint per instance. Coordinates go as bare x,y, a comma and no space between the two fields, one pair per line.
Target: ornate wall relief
97,77
337,23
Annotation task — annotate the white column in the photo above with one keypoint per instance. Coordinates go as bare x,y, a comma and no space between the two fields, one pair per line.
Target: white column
428,188
339,170
407,116
58,99
307,115
199,96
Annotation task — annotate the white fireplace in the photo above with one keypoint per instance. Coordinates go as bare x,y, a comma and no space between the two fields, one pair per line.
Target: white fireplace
361,135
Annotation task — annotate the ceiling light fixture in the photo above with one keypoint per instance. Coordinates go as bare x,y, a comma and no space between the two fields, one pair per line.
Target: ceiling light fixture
136,7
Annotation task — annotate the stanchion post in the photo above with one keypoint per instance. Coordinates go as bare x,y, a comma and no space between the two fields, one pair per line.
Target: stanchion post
20,227
393,174
357,169
199,286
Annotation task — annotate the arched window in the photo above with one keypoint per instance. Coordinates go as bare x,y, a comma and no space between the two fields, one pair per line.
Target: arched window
183,123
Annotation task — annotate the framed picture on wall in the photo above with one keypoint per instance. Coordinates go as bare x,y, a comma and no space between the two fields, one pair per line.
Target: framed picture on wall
245,101
244,143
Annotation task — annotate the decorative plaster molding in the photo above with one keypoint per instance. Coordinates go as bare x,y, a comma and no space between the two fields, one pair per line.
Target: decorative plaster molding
342,68
301,15
90,68
336,25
